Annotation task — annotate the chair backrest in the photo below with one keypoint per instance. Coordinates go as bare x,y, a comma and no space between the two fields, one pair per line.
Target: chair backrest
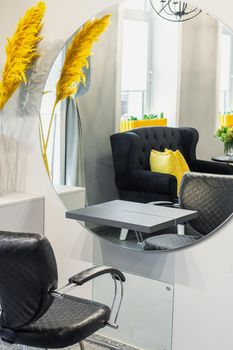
131,149
211,195
28,271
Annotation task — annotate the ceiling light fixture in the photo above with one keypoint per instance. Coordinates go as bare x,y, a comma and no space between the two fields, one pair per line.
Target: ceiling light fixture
174,11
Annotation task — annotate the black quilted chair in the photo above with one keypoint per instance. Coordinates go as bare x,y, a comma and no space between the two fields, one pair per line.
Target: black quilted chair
131,153
33,312
211,196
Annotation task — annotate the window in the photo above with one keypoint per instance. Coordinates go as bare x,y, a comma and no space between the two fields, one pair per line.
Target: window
226,72
140,5
135,58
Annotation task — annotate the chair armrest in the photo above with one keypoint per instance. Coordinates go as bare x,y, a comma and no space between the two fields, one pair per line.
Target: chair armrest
80,278
204,166
147,181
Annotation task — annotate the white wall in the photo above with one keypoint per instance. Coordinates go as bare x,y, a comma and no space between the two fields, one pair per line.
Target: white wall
98,115
203,274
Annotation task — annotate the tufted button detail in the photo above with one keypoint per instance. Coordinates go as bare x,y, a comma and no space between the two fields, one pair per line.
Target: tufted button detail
158,138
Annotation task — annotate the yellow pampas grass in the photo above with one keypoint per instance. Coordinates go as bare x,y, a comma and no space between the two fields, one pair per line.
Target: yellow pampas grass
21,50
75,61
76,57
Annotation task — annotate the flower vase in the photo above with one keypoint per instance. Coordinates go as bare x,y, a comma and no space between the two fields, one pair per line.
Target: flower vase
228,149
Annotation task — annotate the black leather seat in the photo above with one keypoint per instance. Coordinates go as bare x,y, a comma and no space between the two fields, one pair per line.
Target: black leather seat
34,313
131,153
66,322
211,196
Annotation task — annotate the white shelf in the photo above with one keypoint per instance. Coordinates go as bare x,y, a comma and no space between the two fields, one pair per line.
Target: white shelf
63,189
21,212
72,197
12,198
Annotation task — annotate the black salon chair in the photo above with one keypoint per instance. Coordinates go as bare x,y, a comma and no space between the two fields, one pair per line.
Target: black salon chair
131,153
211,196
34,313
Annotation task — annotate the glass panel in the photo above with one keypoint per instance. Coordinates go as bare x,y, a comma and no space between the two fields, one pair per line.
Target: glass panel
135,55
135,4
147,306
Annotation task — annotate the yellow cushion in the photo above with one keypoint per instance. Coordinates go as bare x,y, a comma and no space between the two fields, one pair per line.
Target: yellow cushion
169,162
182,162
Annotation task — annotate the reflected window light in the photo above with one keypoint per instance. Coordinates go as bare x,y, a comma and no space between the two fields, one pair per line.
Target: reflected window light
226,73
134,67
135,4
225,62
135,55
133,103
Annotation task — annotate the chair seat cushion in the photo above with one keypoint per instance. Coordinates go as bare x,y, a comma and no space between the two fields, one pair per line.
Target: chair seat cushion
168,241
68,321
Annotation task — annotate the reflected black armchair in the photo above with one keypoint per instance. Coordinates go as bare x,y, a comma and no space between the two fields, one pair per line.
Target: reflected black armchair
131,154
34,313
211,196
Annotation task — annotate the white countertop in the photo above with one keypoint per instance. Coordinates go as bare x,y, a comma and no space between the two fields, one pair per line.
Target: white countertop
10,198
64,189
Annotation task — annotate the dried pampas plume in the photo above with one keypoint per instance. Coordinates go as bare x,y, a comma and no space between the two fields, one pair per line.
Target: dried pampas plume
76,57
75,60
21,50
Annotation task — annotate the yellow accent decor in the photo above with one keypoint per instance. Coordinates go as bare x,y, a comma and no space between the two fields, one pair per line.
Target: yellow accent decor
127,125
76,60
76,57
21,50
226,120
182,162
169,162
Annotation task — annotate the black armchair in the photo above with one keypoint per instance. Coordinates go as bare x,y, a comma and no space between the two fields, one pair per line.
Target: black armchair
34,313
211,196
131,153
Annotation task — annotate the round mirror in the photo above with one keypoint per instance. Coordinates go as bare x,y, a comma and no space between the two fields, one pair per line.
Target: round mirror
136,151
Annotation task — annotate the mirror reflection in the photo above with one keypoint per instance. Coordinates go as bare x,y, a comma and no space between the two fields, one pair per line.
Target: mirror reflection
136,153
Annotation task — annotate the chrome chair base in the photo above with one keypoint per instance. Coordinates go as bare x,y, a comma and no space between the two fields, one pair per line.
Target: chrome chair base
102,344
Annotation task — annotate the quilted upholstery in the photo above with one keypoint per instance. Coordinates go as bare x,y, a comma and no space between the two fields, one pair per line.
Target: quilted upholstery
67,322
131,153
30,315
159,138
168,242
28,271
211,196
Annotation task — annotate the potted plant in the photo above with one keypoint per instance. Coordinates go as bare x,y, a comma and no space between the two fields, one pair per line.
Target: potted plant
226,119
133,122
225,134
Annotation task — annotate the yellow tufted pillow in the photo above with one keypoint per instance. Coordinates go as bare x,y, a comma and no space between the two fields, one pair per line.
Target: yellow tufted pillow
182,162
169,162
